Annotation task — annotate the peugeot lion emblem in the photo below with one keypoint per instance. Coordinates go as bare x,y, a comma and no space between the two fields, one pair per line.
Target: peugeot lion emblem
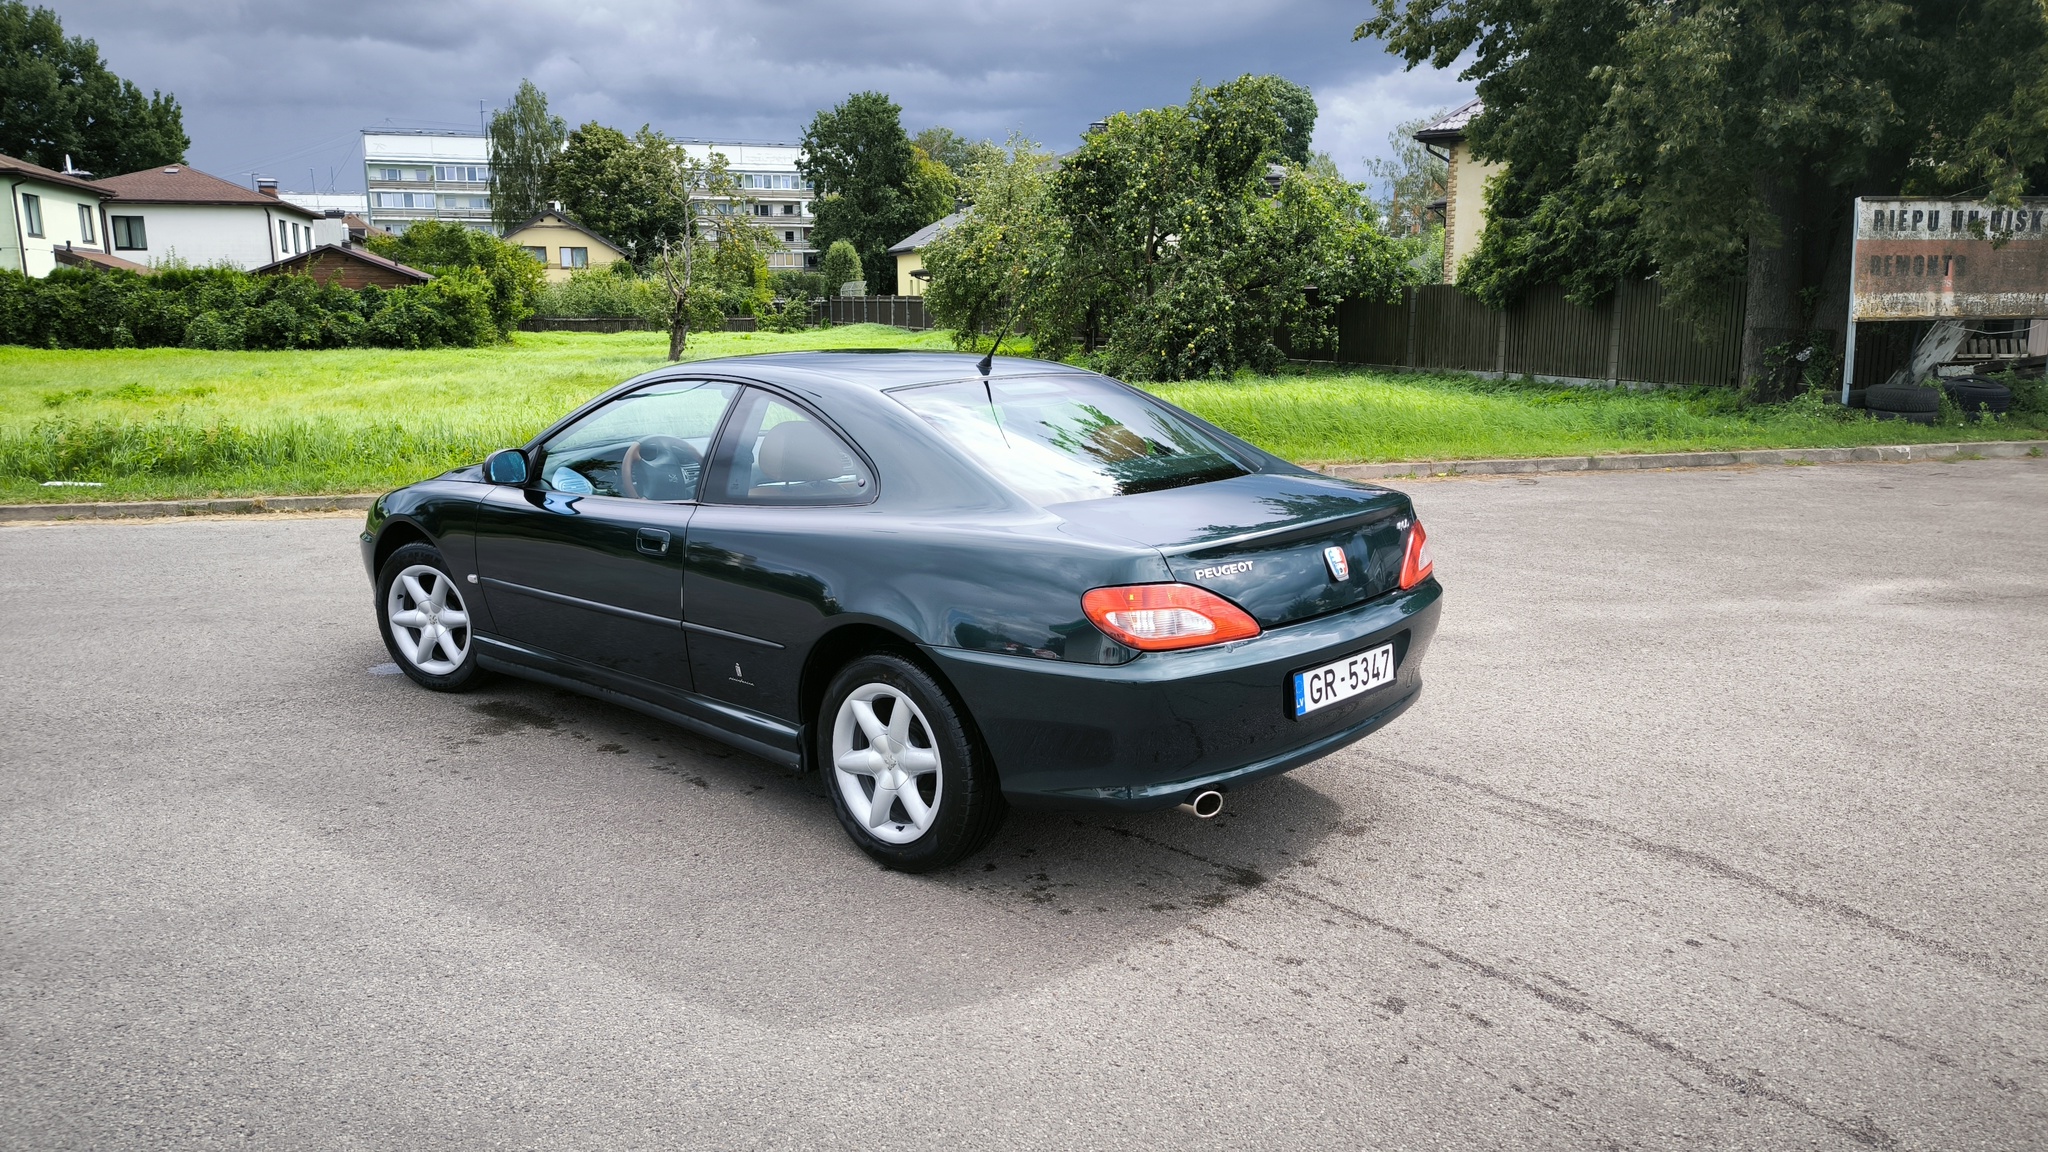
1340,565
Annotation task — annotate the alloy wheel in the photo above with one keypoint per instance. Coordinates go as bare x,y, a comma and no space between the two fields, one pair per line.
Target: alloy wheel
885,763
429,621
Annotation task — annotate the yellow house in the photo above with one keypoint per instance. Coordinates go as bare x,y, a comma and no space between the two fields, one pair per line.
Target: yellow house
911,277
1464,186
562,244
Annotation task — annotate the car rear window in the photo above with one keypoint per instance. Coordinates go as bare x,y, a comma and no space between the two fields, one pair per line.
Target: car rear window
1060,438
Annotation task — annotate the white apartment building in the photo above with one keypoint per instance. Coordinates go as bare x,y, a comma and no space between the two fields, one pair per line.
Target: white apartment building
413,176
781,196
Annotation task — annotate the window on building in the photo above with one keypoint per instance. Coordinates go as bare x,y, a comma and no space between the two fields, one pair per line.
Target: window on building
463,173
575,257
789,237
85,230
389,174
537,251
128,233
32,213
422,175
284,239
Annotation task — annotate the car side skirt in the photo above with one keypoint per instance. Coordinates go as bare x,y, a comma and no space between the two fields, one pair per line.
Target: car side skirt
751,732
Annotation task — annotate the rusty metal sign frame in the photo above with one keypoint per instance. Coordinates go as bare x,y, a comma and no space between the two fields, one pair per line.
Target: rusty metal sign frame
1933,258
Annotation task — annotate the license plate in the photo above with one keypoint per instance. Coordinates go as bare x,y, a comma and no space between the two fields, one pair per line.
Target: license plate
1322,687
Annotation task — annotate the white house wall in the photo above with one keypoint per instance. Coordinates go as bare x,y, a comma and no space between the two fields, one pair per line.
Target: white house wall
60,226
244,236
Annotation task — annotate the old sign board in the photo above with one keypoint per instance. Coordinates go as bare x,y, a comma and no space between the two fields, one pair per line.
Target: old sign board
1926,259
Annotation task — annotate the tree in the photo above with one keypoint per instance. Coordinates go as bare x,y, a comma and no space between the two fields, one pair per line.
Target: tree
947,147
1182,255
932,188
1413,177
841,265
707,229
623,188
1722,140
862,166
525,142
1297,108
1000,266
58,99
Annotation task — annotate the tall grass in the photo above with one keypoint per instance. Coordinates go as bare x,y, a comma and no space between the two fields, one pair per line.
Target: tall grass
1385,417
163,423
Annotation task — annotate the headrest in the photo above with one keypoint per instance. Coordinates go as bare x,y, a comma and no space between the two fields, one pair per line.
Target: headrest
798,452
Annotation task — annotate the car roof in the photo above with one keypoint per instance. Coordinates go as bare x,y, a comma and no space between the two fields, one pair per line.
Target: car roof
877,369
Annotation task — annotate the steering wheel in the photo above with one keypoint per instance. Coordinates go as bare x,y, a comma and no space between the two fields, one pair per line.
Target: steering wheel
660,468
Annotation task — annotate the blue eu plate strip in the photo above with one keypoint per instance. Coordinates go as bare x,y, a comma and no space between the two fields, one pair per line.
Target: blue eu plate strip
1300,695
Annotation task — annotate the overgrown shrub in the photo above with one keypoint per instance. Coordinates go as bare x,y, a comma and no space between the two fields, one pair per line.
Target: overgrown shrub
604,292
840,266
513,277
224,309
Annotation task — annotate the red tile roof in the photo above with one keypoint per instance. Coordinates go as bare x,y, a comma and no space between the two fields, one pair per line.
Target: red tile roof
23,170
183,184
305,260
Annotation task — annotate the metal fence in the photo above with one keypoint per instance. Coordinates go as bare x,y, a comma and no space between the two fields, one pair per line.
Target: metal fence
1632,336
897,311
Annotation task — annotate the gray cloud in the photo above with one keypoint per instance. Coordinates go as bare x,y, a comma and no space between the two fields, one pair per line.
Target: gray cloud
284,86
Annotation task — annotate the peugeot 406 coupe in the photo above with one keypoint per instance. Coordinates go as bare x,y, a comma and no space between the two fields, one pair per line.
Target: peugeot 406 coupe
948,584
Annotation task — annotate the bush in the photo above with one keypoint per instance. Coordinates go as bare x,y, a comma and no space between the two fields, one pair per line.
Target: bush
2029,393
604,292
213,331
225,309
515,279
840,266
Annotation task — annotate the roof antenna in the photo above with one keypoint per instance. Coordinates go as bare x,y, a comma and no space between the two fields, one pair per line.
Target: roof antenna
989,360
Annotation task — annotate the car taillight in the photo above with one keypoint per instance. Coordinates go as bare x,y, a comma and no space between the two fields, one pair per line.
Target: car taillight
1159,617
1415,562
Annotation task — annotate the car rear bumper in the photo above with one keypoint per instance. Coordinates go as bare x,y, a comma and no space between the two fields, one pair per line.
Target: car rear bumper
1148,733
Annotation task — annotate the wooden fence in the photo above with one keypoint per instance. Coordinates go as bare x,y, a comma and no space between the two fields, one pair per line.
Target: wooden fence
1629,337
899,311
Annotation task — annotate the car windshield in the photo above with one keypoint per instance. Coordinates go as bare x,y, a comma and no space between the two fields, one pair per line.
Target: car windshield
1059,438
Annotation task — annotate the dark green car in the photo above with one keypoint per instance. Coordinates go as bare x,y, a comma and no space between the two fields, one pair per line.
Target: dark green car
950,590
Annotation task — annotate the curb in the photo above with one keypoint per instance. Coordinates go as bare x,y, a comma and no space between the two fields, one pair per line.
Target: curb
159,508
1889,454
1411,470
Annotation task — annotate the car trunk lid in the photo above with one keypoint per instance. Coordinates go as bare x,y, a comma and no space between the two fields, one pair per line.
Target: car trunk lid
1264,541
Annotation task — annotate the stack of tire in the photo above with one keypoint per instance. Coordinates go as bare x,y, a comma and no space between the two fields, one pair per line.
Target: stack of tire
1975,395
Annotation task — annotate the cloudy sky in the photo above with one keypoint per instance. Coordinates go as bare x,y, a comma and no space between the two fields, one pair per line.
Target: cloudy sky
283,87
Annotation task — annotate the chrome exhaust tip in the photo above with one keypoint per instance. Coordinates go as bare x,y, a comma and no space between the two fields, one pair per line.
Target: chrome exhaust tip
1204,804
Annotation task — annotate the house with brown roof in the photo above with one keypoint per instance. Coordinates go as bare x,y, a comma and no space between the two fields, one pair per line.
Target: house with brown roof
178,212
47,212
1464,184
562,244
347,265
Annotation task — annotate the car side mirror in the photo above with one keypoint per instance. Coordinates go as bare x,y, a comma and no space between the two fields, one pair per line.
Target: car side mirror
505,466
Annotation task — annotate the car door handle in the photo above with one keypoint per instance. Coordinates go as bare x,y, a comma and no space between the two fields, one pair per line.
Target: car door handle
653,541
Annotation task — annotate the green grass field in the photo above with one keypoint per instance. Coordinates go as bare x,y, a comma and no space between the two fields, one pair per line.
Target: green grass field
167,423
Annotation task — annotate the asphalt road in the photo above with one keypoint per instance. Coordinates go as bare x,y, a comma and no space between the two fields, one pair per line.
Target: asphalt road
1720,825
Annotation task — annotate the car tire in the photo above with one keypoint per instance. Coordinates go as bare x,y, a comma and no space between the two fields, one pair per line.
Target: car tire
425,619
1976,395
911,785
1902,399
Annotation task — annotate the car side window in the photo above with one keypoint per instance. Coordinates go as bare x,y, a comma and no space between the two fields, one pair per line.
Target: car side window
648,445
773,452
